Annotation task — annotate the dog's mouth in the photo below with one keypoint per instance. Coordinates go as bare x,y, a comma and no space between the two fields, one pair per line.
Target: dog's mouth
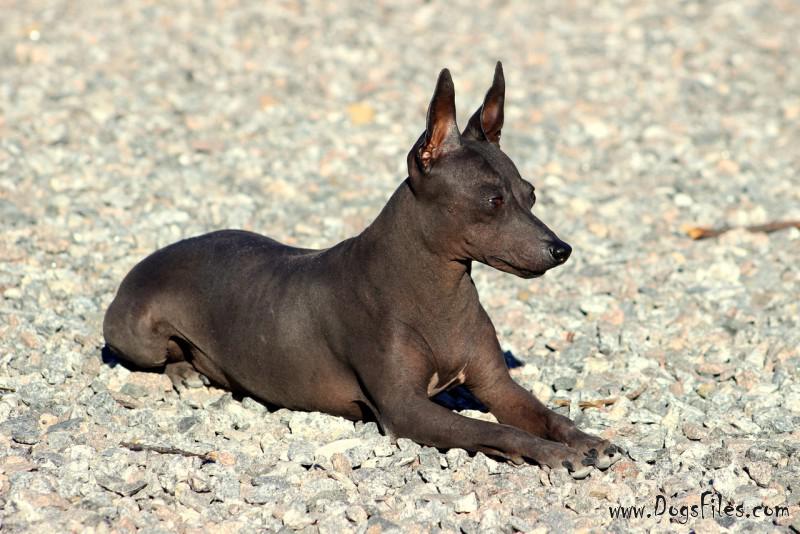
508,267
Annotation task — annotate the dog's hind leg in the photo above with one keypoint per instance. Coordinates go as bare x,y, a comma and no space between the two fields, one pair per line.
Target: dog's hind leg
194,366
135,333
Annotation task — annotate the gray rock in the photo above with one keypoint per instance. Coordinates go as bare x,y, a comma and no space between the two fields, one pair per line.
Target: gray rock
253,405
718,457
199,482
408,446
225,488
377,523
777,422
24,429
297,517
37,395
456,458
764,452
760,472
186,423
271,483
66,426
466,504
134,390
301,452
261,495
694,432
383,448
12,215
119,486
564,383
356,514
644,454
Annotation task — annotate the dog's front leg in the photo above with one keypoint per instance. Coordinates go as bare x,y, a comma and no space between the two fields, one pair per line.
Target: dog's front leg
416,417
489,380
396,386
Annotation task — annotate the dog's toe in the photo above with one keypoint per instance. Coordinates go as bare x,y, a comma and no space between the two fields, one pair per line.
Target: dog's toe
611,455
583,472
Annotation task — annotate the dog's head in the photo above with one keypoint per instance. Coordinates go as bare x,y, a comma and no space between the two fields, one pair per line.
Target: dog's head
478,204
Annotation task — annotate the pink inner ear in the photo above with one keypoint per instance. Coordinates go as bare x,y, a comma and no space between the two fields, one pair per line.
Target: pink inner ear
440,139
430,150
425,156
491,121
438,136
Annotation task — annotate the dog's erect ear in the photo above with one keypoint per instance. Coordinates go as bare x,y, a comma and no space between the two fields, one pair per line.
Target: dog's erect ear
441,131
487,122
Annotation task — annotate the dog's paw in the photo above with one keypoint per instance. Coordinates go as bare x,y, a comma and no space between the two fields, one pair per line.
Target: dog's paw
593,459
557,455
589,453
603,453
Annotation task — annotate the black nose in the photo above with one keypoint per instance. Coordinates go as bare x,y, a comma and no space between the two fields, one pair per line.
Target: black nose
560,251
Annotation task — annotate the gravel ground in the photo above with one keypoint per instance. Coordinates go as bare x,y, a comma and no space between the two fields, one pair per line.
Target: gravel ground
125,126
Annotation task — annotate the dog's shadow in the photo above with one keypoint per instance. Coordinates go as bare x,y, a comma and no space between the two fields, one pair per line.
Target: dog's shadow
459,398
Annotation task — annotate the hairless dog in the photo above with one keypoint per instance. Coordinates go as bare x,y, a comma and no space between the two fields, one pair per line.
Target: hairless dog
379,323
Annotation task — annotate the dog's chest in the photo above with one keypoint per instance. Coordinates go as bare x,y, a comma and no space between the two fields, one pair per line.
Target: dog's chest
451,356
436,384
453,335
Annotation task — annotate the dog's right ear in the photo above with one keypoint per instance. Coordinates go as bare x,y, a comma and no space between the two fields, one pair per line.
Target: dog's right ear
441,132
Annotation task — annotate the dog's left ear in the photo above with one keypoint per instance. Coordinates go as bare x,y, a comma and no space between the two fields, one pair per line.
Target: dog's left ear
487,122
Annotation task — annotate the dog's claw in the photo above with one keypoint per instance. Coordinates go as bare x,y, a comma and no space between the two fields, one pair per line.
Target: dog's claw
612,455
582,473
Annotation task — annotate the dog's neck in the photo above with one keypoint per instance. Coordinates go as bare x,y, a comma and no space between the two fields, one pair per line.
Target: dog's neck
403,242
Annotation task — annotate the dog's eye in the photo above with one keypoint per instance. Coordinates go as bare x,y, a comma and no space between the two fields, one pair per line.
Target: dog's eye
497,201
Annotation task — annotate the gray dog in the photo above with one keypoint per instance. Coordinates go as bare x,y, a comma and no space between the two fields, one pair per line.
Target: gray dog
378,324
